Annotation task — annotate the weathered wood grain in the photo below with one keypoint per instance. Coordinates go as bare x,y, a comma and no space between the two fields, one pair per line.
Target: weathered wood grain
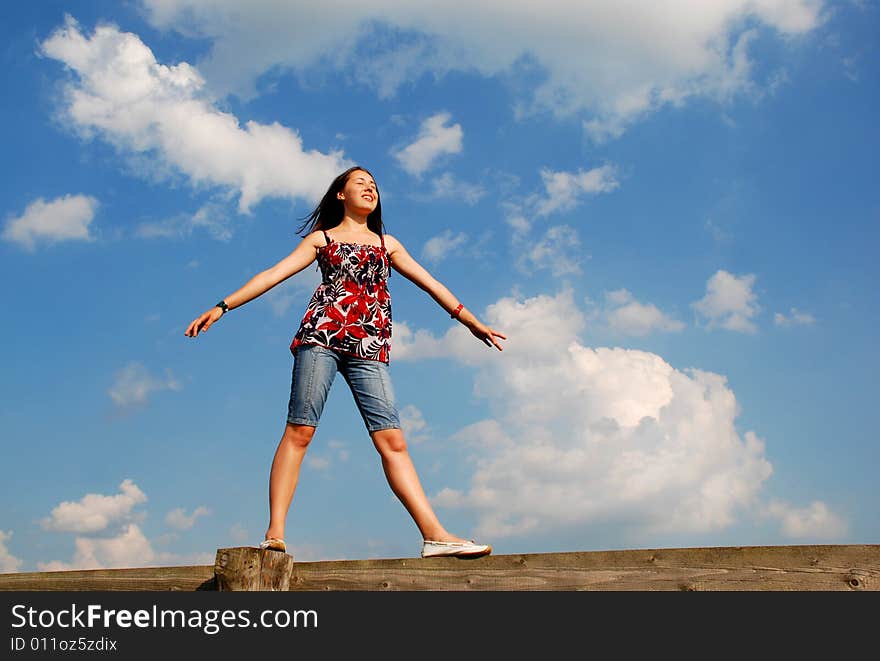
778,568
823,568
185,579
245,568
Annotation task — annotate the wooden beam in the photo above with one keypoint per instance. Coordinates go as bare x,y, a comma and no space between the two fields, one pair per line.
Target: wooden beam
848,568
186,579
809,567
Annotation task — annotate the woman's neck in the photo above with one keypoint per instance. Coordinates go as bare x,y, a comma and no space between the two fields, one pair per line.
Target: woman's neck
353,224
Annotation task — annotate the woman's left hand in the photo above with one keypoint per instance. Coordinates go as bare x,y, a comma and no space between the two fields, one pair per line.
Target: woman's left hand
487,334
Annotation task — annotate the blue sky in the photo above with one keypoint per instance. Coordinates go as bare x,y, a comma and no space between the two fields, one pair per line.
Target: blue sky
672,214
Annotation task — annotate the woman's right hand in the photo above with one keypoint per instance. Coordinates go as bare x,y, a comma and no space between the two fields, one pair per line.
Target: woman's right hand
203,322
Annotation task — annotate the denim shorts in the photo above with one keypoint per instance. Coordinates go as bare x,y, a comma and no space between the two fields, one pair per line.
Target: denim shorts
315,367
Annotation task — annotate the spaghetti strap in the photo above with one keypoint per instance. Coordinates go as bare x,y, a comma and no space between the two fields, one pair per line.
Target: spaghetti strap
387,254
327,239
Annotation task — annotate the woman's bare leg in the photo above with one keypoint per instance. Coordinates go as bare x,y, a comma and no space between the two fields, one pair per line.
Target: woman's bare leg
285,474
404,482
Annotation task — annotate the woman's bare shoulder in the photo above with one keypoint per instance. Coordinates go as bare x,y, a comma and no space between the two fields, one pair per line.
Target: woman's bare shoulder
391,243
315,239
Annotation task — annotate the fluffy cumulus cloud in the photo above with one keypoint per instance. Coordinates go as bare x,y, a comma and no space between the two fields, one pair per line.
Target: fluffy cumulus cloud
435,139
95,512
729,302
8,562
628,316
130,547
582,436
598,59
134,384
108,534
564,190
120,92
815,522
66,218
179,519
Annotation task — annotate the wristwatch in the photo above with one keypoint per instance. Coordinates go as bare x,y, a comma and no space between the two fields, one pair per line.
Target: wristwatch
222,305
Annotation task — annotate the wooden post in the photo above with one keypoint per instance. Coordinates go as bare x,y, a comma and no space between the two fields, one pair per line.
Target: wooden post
248,568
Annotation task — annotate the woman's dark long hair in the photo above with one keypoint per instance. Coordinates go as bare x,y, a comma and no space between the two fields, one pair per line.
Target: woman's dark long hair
330,210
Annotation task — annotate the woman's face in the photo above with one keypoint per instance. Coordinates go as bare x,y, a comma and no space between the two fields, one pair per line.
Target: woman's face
360,193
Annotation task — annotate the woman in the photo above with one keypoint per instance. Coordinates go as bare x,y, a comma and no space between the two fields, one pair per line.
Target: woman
347,328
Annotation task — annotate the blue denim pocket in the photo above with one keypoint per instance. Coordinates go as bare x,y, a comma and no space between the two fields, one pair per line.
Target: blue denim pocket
314,368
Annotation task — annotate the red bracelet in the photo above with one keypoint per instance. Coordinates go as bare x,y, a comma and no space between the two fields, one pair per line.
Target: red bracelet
457,310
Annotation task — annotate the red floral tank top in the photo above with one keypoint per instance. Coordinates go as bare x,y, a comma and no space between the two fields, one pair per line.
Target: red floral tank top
350,310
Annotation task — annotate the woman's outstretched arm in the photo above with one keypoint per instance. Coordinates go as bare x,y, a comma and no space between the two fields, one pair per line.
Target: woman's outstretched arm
303,255
404,263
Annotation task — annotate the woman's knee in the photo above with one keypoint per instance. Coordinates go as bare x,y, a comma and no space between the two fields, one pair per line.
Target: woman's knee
298,435
389,441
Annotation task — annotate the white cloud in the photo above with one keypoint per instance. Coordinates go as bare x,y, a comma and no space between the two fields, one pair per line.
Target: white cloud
413,345
795,318
130,548
94,512
447,186
519,223
63,219
557,251
147,109
179,519
438,247
630,317
413,424
485,433
434,140
599,59
581,435
125,545
134,384
212,217
729,302
815,522
541,330
8,562
563,190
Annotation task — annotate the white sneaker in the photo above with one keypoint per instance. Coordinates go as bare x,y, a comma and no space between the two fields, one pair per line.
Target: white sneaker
469,549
